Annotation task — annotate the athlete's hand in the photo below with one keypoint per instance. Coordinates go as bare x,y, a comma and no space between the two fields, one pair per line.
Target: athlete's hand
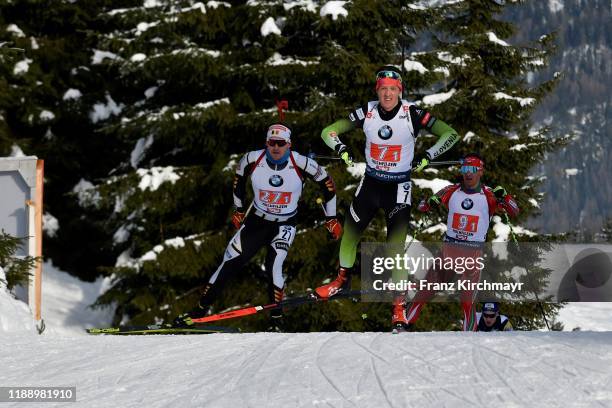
345,154
420,163
334,228
425,205
500,192
237,218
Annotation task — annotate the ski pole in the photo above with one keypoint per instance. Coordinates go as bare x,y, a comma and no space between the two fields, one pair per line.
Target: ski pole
445,163
442,163
527,270
320,202
318,156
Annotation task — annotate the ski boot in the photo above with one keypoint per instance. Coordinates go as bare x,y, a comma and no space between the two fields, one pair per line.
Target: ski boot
341,283
399,321
277,321
185,319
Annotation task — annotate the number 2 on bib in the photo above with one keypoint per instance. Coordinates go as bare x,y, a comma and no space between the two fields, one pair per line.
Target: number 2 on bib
274,197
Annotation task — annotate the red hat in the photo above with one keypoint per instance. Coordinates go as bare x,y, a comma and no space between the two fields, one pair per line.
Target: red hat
473,161
389,76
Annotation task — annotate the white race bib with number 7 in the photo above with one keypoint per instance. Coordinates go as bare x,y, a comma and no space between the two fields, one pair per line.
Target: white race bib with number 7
404,191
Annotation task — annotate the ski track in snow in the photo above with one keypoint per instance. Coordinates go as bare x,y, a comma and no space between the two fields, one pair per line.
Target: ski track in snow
569,369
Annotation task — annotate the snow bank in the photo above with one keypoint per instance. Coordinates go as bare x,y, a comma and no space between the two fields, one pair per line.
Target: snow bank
434,185
596,316
321,369
66,303
15,316
357,170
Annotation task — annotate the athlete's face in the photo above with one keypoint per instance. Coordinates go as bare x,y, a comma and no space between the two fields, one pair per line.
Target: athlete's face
489,318
471,180
277,148
388,96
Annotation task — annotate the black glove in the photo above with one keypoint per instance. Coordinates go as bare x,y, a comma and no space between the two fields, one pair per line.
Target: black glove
345,153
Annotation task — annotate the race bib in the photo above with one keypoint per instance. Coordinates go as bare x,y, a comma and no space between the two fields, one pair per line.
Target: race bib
465,222
274,197
404,193
386,153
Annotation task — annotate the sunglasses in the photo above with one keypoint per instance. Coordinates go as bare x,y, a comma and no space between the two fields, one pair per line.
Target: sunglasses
489,316
388,74
469,169
274,142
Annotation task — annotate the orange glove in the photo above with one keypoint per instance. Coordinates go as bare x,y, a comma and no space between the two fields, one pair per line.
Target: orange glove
334,228
237,219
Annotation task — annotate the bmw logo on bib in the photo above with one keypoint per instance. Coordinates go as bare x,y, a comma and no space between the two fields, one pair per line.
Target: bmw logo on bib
385,132
467,204
276,180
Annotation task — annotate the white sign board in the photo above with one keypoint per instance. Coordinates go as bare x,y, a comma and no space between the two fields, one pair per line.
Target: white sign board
21,204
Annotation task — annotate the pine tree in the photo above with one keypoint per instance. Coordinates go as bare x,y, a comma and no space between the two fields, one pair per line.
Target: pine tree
17,269
47,104
173,93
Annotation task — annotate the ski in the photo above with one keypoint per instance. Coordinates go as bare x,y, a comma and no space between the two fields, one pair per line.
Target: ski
285,304
160,329
198,328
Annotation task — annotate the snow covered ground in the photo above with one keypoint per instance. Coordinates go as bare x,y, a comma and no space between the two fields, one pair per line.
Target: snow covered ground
320,369
595,316
570,369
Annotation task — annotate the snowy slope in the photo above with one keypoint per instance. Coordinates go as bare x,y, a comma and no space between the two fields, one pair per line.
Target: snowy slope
66,301
595,316
15,316
301,370
320,369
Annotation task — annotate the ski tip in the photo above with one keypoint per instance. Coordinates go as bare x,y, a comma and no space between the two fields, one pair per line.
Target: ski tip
161,329
105,330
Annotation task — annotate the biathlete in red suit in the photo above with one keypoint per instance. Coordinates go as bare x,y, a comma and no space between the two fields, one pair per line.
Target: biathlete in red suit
470,205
